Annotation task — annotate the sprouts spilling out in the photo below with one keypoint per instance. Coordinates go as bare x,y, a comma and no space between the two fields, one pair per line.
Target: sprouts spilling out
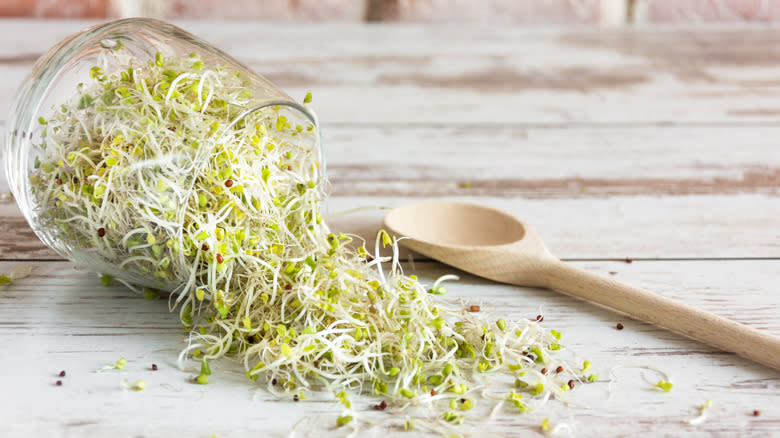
172,174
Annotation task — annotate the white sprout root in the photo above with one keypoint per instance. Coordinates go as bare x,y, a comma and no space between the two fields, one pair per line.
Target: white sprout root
157,172
665,384
703,410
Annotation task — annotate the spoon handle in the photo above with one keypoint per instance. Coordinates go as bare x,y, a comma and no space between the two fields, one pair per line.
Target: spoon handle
672,315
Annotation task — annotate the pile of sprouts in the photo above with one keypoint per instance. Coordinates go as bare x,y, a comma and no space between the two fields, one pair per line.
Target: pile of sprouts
159,172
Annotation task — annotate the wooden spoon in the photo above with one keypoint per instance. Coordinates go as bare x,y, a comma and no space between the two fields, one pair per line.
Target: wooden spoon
494,245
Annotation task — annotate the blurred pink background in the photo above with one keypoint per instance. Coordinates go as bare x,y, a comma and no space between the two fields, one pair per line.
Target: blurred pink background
609,12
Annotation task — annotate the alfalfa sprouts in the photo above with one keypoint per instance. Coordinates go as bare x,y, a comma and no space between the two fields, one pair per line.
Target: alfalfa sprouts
168,172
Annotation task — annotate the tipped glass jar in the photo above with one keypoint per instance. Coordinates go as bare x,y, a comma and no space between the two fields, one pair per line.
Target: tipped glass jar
139,151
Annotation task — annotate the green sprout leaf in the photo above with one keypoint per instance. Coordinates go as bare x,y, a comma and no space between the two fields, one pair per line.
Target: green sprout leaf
120,363
151,294
343,420
664,386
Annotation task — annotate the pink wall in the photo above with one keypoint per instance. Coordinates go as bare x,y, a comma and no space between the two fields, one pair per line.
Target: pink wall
54,8
493,11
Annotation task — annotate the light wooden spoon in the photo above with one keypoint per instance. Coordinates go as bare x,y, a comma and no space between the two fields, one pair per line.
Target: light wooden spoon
494,245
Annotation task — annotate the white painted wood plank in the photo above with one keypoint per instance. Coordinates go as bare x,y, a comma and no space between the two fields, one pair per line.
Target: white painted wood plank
460,74
719,226
553,162
702,226
61,318
649,191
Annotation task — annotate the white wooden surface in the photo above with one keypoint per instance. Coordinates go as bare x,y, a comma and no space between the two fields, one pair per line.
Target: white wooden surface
654,144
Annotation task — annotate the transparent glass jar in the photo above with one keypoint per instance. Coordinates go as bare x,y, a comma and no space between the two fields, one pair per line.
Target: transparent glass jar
132,143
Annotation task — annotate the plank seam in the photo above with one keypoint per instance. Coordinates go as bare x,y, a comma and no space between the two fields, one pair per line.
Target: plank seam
575,259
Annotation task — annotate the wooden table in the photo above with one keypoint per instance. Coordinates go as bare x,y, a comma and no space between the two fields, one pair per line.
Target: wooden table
657,144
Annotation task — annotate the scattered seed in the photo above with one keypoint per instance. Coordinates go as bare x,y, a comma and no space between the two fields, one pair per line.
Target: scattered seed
220,259
381,406
539,318
474,308
544,371
273,382
62,373
756,413
154,367
295,398
433,392
629,260
571,384
59,383
612,272
619,326
204,247
59,182
559,369
101,232
229,183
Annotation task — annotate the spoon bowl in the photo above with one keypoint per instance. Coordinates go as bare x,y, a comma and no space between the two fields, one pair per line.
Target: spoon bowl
475,239
495,245
456,224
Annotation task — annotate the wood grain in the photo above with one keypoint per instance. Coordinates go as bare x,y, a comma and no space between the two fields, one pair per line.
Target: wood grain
575,161
538,161
69,321
423,74
641,227
644,143
588,189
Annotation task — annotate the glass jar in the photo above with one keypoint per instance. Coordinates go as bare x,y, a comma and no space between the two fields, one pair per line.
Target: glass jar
139,151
